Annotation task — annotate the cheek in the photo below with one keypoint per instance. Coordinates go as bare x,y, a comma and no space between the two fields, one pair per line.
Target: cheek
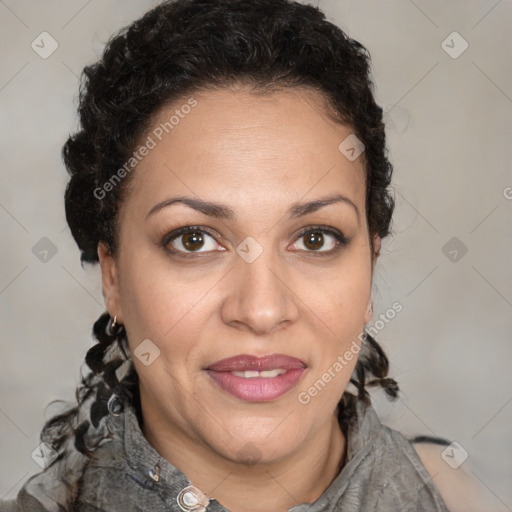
160,306
151,296
344,300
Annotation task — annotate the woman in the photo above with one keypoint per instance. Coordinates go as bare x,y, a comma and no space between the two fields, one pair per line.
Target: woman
230,178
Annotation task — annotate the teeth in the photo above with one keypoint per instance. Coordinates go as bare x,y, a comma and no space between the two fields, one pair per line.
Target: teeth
246,375
265,374
272,373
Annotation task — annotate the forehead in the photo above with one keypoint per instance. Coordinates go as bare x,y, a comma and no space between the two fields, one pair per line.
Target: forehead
254,149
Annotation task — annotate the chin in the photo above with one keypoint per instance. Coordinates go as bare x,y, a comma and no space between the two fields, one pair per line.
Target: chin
260,449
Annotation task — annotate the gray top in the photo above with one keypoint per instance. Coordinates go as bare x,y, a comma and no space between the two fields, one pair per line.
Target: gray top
382,473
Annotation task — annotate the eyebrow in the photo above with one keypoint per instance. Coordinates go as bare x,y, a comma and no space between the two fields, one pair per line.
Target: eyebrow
221,211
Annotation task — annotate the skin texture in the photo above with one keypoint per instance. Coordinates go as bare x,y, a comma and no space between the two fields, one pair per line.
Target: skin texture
258,155
460,491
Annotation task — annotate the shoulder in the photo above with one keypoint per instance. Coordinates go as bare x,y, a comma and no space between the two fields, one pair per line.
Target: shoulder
457,488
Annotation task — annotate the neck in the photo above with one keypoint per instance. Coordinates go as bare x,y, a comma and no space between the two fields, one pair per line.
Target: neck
301,477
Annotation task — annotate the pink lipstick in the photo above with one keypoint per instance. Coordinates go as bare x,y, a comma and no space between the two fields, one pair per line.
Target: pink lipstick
257,379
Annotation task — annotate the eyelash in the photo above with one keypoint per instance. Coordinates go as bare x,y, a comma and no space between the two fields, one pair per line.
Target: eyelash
173,235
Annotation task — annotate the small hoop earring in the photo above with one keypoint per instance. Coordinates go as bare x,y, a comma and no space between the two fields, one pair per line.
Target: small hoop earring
111,325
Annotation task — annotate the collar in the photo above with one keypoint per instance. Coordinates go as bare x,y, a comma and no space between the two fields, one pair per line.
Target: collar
150,470
362,433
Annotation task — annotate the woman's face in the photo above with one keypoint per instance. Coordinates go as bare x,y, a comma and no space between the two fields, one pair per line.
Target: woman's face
245,282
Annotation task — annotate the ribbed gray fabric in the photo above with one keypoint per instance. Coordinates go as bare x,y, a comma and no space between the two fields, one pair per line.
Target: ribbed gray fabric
382,473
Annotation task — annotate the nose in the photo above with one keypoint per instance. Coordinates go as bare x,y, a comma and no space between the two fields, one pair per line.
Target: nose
260,297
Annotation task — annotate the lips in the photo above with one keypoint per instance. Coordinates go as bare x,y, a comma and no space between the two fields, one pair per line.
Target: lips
244,363
257,379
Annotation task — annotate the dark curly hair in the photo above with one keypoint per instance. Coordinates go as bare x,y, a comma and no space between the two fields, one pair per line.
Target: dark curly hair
178,48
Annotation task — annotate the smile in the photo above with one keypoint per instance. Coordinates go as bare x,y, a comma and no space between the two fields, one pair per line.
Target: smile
257,379
266,374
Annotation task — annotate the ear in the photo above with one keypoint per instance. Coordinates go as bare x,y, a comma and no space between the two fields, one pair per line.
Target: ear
110,282
369,312
376,248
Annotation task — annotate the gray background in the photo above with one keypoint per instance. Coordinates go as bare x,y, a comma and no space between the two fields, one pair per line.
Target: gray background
449,124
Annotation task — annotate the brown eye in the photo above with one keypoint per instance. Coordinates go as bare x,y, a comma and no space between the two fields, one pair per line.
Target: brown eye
192,241
314,240
189,240
321,241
